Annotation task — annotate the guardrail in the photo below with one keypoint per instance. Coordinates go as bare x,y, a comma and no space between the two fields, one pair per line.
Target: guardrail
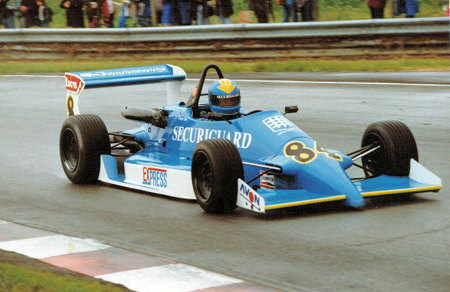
420,36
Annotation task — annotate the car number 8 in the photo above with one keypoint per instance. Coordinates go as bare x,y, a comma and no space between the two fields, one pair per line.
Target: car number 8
299,152
70,106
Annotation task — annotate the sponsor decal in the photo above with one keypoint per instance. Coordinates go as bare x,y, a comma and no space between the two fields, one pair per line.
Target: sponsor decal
228,96
242,140
74,83
267,181
161,69
226,85
183,118
252,199
194,93
278,124
154,177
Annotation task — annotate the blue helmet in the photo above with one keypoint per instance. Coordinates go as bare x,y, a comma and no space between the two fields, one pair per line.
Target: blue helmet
224,97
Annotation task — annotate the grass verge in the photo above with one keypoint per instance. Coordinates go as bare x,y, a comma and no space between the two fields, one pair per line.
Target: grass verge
21,274
318,65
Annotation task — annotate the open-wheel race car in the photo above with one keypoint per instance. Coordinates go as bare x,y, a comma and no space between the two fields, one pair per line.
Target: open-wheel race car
226,157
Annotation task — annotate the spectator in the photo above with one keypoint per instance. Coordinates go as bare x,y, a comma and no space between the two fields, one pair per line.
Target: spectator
167,13
93,12
376,8
203,11
289,10
158,4
74,12
224,9
143,12
29,16
2,11
125,13
176,15
447,8
45,14
183,12
306,9
108,12
9,8
261,8
409,7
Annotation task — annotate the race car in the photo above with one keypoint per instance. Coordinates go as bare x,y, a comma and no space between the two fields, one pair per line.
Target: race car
225,157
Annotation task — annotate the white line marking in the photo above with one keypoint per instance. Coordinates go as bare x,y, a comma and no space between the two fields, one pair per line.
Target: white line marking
286,81
31,76
341,82
53,245
3,222
173,277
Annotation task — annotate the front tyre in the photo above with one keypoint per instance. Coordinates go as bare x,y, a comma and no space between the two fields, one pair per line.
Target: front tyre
216,167
397,148
82,140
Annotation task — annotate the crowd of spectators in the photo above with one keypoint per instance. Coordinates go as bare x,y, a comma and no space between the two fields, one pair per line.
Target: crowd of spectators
28,13
408,7
133,13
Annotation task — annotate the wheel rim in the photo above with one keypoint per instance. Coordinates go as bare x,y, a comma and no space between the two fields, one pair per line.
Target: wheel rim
374,163
70,150
203,177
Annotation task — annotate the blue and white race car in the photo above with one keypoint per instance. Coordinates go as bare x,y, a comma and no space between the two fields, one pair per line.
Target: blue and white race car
225,157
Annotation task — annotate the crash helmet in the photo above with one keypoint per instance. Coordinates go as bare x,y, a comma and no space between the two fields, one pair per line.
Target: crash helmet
224,97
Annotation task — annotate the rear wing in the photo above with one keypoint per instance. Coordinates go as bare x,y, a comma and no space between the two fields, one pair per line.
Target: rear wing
76,82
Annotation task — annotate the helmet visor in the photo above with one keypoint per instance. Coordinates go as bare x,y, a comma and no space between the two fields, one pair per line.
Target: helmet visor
226,100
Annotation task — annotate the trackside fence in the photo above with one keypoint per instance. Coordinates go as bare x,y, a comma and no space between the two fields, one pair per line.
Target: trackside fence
344,39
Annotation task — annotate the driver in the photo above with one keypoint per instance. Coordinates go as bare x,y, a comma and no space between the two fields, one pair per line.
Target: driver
224,97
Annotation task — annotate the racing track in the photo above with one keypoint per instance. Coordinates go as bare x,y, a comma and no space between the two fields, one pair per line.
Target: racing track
391,245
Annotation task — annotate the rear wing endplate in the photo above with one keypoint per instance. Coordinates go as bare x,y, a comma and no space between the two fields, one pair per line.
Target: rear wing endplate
76,82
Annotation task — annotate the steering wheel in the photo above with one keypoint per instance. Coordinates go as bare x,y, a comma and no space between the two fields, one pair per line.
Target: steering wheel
197,92
253,112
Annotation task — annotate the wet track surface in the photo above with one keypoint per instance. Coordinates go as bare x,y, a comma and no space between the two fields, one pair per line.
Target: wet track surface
392,244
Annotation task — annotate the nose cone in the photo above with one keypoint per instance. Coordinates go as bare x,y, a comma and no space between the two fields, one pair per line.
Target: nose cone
325,176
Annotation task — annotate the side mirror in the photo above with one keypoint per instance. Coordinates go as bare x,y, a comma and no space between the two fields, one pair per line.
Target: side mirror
290,109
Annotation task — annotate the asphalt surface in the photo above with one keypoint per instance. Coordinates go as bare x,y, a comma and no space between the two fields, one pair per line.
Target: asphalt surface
392,244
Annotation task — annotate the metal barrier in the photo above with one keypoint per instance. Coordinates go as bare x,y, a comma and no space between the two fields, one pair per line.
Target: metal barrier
419,36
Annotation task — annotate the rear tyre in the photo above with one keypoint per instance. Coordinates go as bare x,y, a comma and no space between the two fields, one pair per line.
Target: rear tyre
398,147
216,167
82,140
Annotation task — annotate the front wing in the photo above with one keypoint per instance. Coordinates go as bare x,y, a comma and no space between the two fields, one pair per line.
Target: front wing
419,180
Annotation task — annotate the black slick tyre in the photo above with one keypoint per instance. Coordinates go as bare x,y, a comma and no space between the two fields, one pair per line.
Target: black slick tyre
216,167
82,140
397,148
